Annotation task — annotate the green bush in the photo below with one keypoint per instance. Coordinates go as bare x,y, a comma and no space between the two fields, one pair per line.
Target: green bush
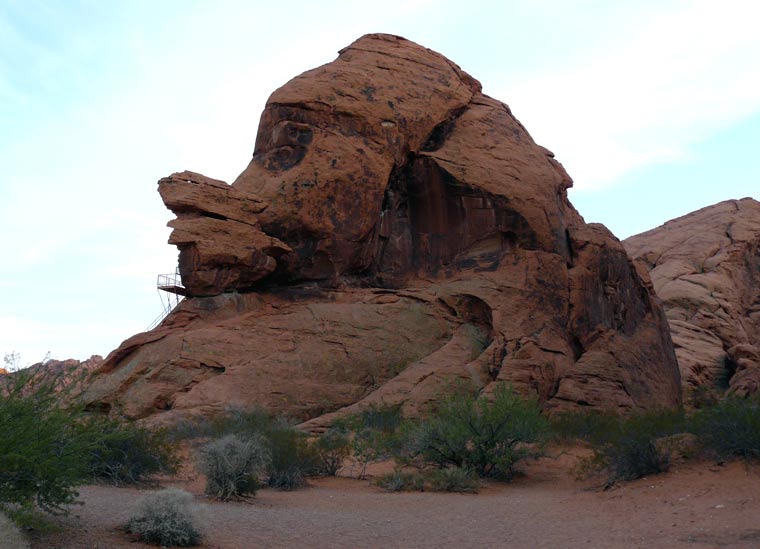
384,418
453,479
44,448
332,448
731,428
234,421
233,465
127,454
376,434
166,518
628,448
488,437
583,424
401,481
292,458
450,479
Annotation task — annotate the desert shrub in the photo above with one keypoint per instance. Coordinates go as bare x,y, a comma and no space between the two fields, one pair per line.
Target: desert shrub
703,396
233,465
234,421
450,479
44,449
488,437
585,425
453,479
376,434
401,481
166,518
332,448
371,445
384,417
292,458
731,428
628,448
127,453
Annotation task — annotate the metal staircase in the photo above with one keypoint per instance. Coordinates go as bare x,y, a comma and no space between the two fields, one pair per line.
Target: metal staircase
171,292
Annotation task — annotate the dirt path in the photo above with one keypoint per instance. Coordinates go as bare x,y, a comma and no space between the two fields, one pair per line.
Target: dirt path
695,506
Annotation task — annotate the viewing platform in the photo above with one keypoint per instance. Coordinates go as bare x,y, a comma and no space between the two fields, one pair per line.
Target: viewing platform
171,283
171,292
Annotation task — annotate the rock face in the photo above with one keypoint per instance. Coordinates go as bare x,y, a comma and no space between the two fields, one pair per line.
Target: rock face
705,267
395,230
70,375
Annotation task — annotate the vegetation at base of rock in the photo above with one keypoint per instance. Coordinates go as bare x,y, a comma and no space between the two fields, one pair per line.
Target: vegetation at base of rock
401,481
629,448
235,421
233,464
483,435
43,449
332,449
585,425
47,449
449,479
293,457
128,454
488,436
166,518
453,479
639,444
730,428
378,433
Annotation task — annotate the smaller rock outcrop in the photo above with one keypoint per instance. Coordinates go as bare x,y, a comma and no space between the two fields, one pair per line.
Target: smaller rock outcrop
70,377
705,266
221,244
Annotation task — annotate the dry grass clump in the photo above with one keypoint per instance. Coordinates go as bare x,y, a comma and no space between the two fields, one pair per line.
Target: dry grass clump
166,518
233,465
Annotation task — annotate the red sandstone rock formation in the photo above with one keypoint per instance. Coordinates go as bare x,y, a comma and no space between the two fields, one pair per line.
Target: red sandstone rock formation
395,230
70,375
705,267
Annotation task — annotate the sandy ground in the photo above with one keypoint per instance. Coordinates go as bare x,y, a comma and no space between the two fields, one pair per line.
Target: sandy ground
10,536
695,505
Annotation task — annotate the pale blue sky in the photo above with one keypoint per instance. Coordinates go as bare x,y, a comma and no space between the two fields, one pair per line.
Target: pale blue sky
653,107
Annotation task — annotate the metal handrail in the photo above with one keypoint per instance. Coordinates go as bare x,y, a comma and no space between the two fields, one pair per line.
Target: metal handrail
169,284
170,280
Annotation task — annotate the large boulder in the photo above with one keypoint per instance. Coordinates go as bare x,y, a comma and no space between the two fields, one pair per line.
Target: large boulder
396,230
705,266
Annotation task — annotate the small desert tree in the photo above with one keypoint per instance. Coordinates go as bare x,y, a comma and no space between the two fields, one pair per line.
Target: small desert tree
49,447
43,448
487,436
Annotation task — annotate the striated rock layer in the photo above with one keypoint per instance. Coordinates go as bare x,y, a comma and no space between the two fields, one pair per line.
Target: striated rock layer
705,267
396,230
68,377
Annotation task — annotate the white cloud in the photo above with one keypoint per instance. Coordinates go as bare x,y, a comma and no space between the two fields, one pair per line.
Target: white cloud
687,73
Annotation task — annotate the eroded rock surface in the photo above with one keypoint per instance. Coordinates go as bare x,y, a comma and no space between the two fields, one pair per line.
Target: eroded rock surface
395,230
705,267
70,376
